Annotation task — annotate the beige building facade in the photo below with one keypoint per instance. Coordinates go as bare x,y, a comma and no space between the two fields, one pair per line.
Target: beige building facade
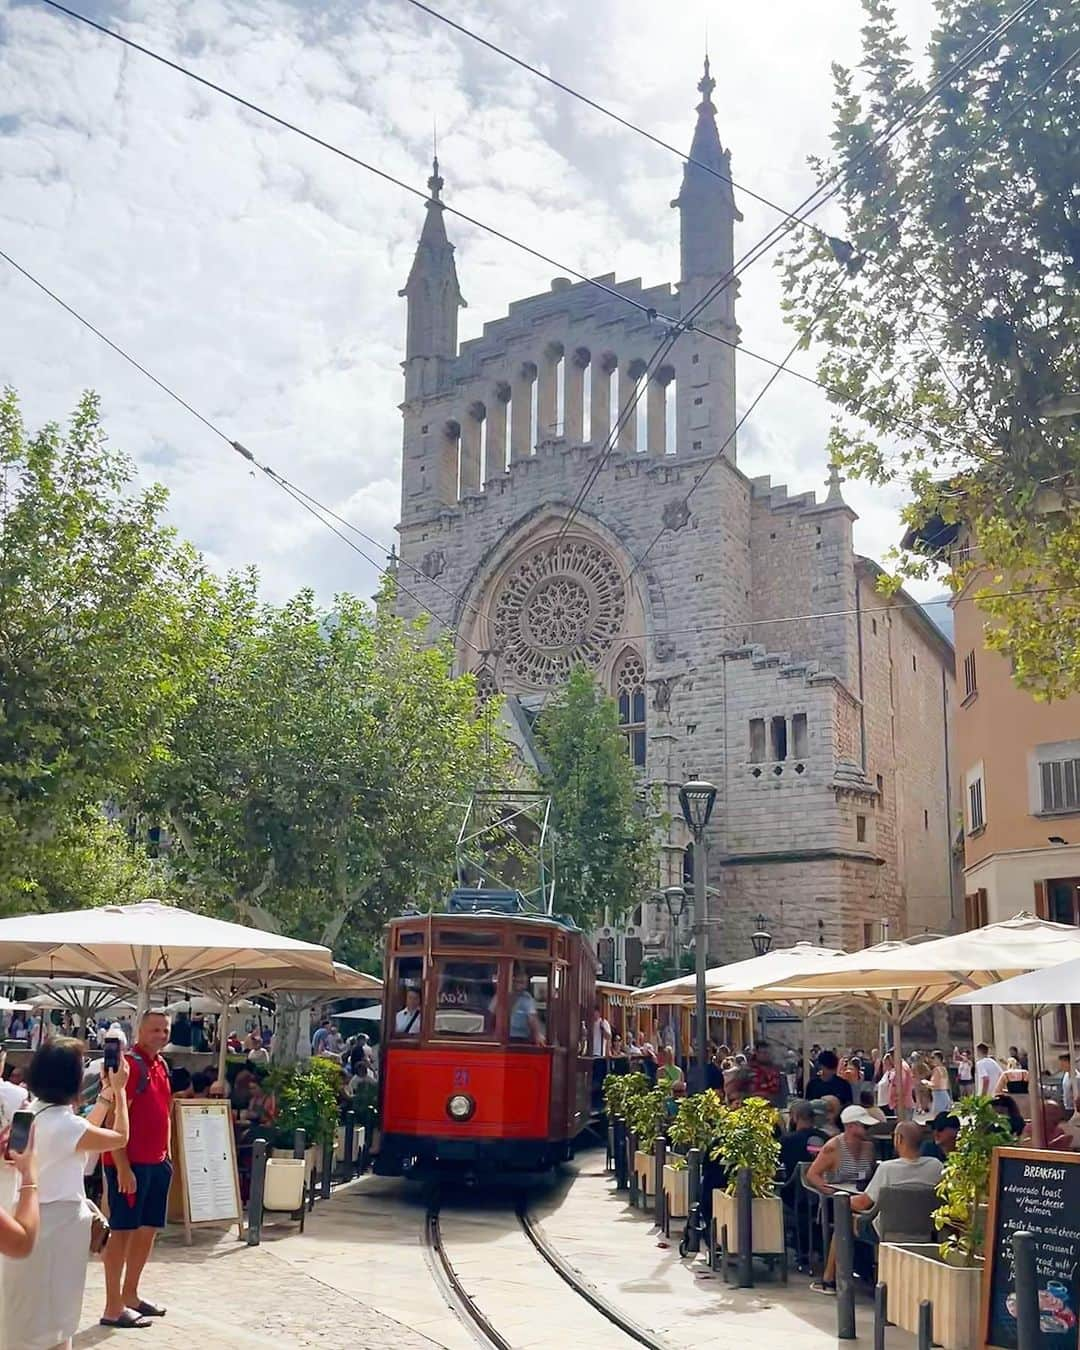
1019,762
741,634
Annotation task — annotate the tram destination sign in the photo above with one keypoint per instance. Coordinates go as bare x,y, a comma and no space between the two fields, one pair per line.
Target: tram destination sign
1035,1191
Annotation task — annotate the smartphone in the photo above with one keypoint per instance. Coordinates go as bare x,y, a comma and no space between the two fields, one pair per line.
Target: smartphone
19,1138
111,1060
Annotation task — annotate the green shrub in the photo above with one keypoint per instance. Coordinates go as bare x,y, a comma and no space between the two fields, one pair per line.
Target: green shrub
619,1088
646,1114
697,1121
746,1137
306,1097
965,1178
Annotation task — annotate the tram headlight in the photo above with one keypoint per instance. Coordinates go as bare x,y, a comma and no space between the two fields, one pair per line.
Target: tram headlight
460,1106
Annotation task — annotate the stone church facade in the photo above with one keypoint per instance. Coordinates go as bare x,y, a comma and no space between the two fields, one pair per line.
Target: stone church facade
740,632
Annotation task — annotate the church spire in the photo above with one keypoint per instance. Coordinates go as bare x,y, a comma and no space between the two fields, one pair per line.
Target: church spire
706,202
432,291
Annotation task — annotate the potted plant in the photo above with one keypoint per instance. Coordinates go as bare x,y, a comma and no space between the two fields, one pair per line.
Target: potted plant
619,1088
695,1125
950,1275
306,1098
746,1137
646,1114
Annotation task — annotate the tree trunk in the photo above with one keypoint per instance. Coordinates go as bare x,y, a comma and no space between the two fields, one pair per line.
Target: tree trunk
292,1036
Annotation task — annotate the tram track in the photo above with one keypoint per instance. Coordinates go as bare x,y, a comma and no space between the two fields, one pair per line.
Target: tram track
535,1266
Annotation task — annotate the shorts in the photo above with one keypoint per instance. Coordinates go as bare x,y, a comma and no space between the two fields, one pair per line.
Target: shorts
149,1206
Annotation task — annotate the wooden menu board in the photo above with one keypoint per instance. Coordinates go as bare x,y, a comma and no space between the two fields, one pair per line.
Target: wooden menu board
1036,1191
205,1153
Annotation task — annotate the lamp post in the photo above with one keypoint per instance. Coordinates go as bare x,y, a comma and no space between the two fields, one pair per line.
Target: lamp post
760,938
675,900
697,799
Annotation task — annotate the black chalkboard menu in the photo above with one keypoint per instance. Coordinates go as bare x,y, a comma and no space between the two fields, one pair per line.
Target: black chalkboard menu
1036,1191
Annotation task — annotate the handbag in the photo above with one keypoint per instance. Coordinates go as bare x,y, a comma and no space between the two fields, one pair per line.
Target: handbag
99,1229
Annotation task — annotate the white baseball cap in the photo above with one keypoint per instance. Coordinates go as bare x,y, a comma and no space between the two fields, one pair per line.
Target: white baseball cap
857,1115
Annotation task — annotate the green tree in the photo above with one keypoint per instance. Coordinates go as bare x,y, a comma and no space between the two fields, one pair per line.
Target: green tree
95,649
605,839
953,341
317,781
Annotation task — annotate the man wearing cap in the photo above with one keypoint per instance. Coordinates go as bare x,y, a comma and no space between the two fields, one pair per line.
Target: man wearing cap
943,1131
846,1161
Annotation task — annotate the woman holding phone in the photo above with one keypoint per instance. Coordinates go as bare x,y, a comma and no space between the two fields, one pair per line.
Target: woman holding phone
18,1231
42,1296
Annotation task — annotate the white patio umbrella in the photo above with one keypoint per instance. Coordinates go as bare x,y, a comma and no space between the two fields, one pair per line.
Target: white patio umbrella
304,987
1032,996
372,1014
752,981
202,1004
901,979
148,947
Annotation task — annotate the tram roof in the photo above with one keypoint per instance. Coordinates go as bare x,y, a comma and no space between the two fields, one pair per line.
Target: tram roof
561,922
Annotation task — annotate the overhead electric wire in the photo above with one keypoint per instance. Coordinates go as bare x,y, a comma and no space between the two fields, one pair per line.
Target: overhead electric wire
311,504
246,454
673,323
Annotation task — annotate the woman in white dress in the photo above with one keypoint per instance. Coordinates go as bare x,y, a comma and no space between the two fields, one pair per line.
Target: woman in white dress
43,1294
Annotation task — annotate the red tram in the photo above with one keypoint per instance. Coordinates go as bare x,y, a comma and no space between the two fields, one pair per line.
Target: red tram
485,1058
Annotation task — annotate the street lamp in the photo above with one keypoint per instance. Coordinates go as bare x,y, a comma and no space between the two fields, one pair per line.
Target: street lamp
675,900
760,939
697,799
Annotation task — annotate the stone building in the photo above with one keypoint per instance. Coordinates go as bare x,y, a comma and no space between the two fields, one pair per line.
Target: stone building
740,632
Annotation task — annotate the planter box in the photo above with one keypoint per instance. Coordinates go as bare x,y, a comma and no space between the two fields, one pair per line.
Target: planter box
645,1171
677,1191
914,1271
312,1157
767,1216
284,1184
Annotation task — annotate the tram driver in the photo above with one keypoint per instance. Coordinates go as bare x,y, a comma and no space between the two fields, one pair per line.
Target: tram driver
525,1023
407,1021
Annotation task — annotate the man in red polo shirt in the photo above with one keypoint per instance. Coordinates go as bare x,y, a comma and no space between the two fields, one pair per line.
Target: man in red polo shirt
138,1178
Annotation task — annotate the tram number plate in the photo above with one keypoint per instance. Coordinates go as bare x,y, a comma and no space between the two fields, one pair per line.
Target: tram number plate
461,1078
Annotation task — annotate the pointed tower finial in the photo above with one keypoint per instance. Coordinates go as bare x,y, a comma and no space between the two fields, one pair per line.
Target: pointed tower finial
833,482
707,84
435,182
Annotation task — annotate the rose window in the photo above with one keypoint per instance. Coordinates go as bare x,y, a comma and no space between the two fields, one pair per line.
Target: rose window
562,606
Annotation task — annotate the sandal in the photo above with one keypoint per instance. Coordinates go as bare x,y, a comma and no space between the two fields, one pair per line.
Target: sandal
145,1309
125,1322
823,1286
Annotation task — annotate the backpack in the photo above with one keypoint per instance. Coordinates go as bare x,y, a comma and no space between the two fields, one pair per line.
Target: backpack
142,1069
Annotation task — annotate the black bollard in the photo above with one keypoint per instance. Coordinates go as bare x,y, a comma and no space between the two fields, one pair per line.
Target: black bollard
844,1237
621,1179
631,1163
348,1168
609,1159
660,1204
328,1166
744,1218
256,1193
299,1143
926,1325
691,1243
881,1314
1028,1331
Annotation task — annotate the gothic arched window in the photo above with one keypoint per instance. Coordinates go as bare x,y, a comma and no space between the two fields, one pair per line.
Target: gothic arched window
630,693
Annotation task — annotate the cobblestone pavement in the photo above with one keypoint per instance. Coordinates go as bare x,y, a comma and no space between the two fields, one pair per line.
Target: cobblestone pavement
224,1295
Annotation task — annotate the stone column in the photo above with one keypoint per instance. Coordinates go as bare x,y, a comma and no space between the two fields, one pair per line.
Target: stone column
547,395
470,449
601,398
521,413
496,431
656,419
447,468
574,396
629,375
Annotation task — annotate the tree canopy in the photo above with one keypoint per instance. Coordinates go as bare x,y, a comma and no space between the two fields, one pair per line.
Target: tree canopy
163,731
605,839
953,341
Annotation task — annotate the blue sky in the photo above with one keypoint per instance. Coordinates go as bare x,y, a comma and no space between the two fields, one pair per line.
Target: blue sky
258,274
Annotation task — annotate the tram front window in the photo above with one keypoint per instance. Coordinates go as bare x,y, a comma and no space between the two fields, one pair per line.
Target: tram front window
406,1008
528,1002
466,998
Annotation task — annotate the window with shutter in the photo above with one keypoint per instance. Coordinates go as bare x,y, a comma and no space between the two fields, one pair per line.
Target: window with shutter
1060,781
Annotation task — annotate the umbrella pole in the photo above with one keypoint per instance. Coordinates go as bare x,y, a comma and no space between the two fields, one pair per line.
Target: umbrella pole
806,1044
899,1076
142,998
223,1038
1038,1134
1072,1051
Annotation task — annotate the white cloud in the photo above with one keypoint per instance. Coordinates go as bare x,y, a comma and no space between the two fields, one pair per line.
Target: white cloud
258,274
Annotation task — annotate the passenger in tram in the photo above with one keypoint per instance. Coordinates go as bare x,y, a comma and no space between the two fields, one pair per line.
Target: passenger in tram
407,1021
525,1023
